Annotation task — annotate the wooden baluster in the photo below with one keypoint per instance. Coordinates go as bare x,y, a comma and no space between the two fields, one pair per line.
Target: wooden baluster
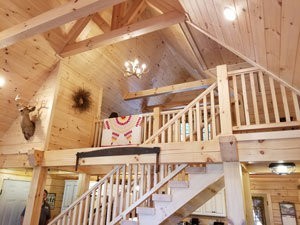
116,194
254,100
177,131
169,130
198,121
191,130
103,203
150,127
236,101
86,209
156,122
122,195
296,105
80,214
212,115
205,118
274,99
264,97
92,202
135,182
183,131
98,201
145,128
245,99
110,198
163,135
285,104
142,181
148,182
74,218
96,131
128,191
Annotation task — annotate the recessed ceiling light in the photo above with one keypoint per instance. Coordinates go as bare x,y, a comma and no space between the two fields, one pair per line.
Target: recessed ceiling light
229,13
2,82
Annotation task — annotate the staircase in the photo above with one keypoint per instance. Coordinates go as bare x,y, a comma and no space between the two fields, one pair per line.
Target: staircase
184,197
140,192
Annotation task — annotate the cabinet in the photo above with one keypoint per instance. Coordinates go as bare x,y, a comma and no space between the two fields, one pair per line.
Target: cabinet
214,207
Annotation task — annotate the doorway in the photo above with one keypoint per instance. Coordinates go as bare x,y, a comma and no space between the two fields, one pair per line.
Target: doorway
260,209
13,199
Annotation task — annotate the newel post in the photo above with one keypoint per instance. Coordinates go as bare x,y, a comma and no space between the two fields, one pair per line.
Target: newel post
156,121
232,168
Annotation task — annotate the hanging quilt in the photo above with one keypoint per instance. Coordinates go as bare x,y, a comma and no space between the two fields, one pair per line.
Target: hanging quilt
125,130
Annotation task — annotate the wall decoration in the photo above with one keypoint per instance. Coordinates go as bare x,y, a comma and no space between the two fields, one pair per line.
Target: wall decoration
288,213
81,99
51,200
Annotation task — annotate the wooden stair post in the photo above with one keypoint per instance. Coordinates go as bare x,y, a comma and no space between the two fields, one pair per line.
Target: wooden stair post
232,168
35,197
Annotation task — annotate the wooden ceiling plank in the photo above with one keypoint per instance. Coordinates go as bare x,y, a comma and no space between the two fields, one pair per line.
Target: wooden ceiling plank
272,32
176,88
101,23
134,12
125,33
77,29
290,34
258,31
53,18
275,76
193,45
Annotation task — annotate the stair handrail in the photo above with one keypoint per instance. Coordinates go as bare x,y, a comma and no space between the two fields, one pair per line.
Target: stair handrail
148,194
119,167
180,113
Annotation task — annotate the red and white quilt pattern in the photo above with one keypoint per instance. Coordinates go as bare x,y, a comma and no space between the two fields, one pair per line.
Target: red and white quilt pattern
125,130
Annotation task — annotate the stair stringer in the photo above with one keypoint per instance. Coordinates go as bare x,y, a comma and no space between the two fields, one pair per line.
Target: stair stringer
186,200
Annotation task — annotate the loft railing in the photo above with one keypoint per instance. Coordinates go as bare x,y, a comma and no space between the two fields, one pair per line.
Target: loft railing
117,194
261,102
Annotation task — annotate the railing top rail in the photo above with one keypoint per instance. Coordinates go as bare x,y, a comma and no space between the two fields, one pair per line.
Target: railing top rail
247,70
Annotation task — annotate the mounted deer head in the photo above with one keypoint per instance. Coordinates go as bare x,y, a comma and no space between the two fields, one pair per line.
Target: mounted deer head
27,125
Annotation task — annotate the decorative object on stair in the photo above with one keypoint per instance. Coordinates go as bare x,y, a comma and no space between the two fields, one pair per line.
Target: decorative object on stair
124,130
81,99
282,168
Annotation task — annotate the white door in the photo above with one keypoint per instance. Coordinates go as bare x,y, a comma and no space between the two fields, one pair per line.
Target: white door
70,193
12,201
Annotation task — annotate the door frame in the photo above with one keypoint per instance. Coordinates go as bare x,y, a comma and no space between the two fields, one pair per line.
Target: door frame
267,204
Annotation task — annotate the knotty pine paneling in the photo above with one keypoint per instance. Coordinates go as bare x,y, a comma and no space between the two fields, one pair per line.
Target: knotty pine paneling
71,128
279,188
13,140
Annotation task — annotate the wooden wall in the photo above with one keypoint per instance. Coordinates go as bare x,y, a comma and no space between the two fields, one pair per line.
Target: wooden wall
71,128
278,189
54,184
13,140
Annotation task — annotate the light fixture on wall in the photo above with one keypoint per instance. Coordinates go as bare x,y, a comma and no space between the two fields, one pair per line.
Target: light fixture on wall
134,68
2,81
229,13
282,168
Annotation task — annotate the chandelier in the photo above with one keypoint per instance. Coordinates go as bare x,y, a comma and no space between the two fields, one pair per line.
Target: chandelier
134,68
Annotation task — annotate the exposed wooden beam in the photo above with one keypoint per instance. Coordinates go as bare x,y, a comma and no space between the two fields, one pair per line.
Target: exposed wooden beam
133,13
163,6
187,33
77,29
125,33
14,161
53,18
117,14
35,157
263,168
101,23
176,88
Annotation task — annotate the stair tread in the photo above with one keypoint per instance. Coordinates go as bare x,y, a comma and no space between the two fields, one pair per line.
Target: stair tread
178,184
129,222
162,197
145,210
195,170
